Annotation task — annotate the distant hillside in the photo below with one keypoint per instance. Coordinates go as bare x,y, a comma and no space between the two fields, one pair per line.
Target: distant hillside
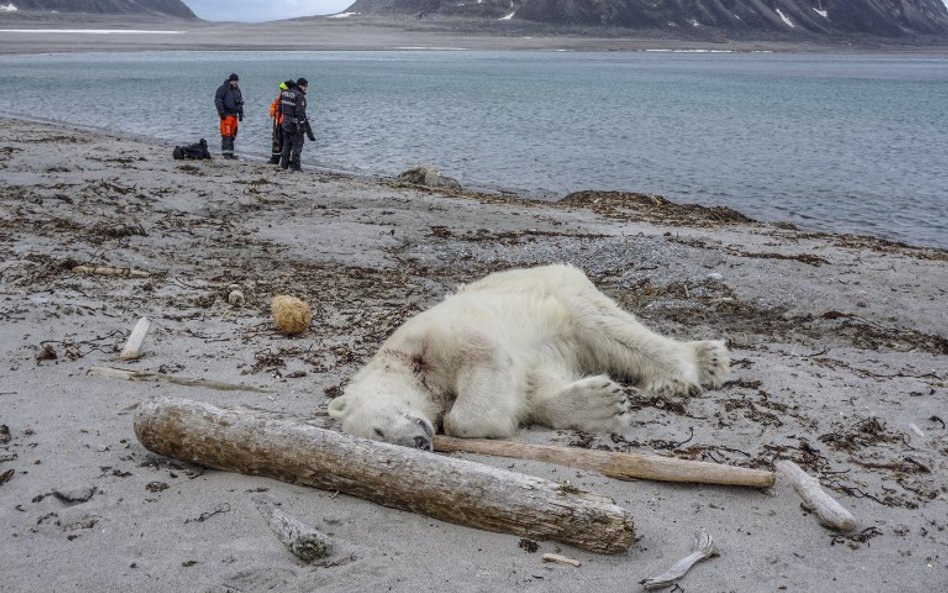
173,8
884,18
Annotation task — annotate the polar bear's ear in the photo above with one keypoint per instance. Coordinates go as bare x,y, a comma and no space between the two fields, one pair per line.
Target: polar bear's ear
337,407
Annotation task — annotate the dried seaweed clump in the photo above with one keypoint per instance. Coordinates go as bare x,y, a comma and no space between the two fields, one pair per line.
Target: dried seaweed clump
290,315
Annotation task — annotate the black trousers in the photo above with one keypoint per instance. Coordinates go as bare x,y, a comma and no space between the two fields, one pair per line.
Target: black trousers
276,151
292,147
227,146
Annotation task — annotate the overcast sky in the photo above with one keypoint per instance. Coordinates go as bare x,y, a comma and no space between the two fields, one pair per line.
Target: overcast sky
263,10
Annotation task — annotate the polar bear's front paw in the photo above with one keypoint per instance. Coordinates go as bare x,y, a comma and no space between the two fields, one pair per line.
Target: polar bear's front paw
595,404
713,362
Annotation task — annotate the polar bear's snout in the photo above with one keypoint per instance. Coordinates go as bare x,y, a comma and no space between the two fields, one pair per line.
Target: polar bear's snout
423,443
384,421
405,429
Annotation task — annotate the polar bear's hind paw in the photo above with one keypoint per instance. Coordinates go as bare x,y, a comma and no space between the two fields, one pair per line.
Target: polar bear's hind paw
674,386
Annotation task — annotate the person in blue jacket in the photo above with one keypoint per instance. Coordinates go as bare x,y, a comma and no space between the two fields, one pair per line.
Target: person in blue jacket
230,107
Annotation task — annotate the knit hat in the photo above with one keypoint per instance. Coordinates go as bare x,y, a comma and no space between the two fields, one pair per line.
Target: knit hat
233,77
302,82
283,86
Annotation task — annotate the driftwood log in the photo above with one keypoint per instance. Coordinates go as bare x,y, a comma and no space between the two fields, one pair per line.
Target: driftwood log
828,512
130,375
305,542
110,271
702,548
623,466
453,490
133,347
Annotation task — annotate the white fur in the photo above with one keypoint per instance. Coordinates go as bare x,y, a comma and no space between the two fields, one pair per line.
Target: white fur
534,345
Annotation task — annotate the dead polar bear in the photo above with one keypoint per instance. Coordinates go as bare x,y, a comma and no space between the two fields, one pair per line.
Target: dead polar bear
523,346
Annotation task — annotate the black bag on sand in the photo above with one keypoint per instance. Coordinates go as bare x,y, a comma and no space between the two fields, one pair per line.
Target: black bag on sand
198,150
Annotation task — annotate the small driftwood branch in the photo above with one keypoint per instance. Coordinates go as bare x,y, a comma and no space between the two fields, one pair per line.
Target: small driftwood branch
133,347
110,271
128,375
829,512
453,490
918,431
702,548
622,466
559,559
305,542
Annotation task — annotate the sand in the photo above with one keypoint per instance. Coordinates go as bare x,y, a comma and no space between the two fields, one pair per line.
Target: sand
839,350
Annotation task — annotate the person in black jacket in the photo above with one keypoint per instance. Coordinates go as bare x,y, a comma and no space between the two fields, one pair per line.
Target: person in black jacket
230,108
276,114
295,124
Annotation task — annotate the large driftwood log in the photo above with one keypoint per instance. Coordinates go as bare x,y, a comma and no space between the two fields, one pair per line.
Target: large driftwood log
623,466
453,490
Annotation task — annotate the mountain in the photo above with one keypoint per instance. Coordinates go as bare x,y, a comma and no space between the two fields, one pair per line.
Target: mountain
807,18
172,8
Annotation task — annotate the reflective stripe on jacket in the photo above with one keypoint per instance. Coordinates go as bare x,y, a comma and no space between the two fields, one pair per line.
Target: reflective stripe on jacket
293,105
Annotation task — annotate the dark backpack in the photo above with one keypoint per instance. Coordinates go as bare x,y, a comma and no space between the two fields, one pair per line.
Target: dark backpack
198,150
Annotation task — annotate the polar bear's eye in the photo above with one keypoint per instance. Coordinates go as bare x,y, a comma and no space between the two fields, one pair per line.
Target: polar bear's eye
379,433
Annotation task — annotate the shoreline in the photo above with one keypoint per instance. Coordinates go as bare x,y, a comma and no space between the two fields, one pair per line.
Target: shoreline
487,189
839,351
372,34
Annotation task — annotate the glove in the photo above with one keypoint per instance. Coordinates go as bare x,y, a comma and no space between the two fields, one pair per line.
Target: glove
311,137
240,117
222,116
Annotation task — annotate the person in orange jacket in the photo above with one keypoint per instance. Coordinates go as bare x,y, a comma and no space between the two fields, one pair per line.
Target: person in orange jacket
276,114
230,107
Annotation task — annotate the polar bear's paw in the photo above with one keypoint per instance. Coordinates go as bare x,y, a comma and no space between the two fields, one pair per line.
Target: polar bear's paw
676,385
596,404
713,362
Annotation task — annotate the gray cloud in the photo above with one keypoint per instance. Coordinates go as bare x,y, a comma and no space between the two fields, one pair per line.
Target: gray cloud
256,11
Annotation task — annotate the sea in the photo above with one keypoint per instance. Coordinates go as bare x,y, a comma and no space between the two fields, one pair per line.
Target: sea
848,143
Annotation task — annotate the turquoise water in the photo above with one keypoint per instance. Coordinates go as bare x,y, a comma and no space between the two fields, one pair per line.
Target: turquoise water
854,143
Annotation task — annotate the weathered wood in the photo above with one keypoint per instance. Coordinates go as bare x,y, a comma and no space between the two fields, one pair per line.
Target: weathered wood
452,490
110,271
303,541
133,346
560,559
128,375
622,466
829,512
702,548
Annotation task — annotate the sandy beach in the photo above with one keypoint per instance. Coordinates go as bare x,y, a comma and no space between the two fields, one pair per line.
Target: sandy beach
839,351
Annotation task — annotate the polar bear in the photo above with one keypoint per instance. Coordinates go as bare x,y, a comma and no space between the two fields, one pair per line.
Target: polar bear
534,346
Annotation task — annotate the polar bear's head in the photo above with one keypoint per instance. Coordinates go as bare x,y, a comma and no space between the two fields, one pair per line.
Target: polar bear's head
383,417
